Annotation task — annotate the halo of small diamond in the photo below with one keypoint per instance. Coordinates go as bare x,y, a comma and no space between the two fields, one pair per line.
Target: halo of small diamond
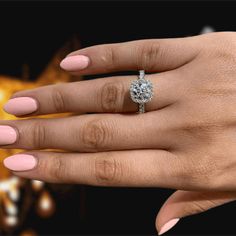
141,91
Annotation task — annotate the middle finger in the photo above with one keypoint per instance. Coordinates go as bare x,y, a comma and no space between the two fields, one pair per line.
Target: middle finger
90,132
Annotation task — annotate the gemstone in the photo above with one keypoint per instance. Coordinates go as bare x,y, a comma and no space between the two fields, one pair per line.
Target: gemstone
141,91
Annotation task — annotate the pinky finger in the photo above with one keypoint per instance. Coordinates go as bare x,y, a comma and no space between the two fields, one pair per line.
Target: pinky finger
113,168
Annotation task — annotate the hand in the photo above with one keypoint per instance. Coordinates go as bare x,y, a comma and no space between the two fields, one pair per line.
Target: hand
185,141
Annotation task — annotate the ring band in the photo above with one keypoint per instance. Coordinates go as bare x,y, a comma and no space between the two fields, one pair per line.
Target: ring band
141,91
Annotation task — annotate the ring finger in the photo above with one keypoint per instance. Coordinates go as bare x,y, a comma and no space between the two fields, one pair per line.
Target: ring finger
94,96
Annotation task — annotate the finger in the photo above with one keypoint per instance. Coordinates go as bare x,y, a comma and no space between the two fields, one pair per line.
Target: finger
152,55
99,95
89,133
185,203
138,168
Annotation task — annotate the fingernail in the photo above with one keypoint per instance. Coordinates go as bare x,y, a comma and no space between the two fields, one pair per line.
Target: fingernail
20,162
21,106
8,135
75,63
167,226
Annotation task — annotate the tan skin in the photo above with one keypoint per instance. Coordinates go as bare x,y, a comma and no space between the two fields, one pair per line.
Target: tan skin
185,140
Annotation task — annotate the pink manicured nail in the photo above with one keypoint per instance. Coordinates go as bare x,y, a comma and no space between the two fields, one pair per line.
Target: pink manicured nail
75,63
21,106
20,162
167,226
8,135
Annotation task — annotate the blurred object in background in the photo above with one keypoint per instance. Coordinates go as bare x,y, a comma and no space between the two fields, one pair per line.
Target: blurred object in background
28,233
17,195
207,29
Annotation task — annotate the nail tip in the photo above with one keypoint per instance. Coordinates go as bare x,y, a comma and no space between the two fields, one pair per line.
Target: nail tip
5,107
62,63
169,225
4,162
74,63
20,106
8,135
20,162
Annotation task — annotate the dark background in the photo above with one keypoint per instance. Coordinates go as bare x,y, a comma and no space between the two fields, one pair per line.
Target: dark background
30,33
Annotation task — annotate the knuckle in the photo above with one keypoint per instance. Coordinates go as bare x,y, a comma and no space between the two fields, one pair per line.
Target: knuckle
108,57
107,170
149,53
58,100
43,166
55,169
38,135
111,97
96,135
58,169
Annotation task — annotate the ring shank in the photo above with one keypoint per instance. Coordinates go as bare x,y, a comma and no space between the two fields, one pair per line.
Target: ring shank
141,74
141,108
141,105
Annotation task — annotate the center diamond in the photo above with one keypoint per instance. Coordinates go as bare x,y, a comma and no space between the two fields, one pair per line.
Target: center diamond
141,90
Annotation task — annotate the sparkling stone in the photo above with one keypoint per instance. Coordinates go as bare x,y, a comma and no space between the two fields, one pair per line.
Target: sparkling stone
141,90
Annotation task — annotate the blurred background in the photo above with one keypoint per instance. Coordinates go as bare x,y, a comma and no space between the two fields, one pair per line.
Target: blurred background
34,37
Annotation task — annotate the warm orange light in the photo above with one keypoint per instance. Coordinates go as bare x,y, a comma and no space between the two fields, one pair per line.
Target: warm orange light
11,221
10,185
29,232
37,185
46,205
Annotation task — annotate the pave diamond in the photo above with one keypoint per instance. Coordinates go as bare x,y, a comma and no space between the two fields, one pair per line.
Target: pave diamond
141,90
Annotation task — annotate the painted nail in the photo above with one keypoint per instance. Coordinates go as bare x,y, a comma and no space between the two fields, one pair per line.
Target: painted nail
20,162
167,226
21,106
75,63
8,135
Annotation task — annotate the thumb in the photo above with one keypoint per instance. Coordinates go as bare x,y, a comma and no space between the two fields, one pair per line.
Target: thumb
185,203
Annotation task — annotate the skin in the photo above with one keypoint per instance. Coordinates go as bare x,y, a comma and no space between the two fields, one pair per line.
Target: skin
185,140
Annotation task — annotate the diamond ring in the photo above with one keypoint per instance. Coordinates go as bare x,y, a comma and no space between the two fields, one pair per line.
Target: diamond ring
141,91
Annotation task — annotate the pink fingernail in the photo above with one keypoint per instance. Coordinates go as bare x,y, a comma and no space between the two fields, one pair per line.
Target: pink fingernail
167,226
20,162
8,135
75,63
21,106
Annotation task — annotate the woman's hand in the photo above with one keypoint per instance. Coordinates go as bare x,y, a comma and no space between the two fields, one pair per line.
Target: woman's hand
185,141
